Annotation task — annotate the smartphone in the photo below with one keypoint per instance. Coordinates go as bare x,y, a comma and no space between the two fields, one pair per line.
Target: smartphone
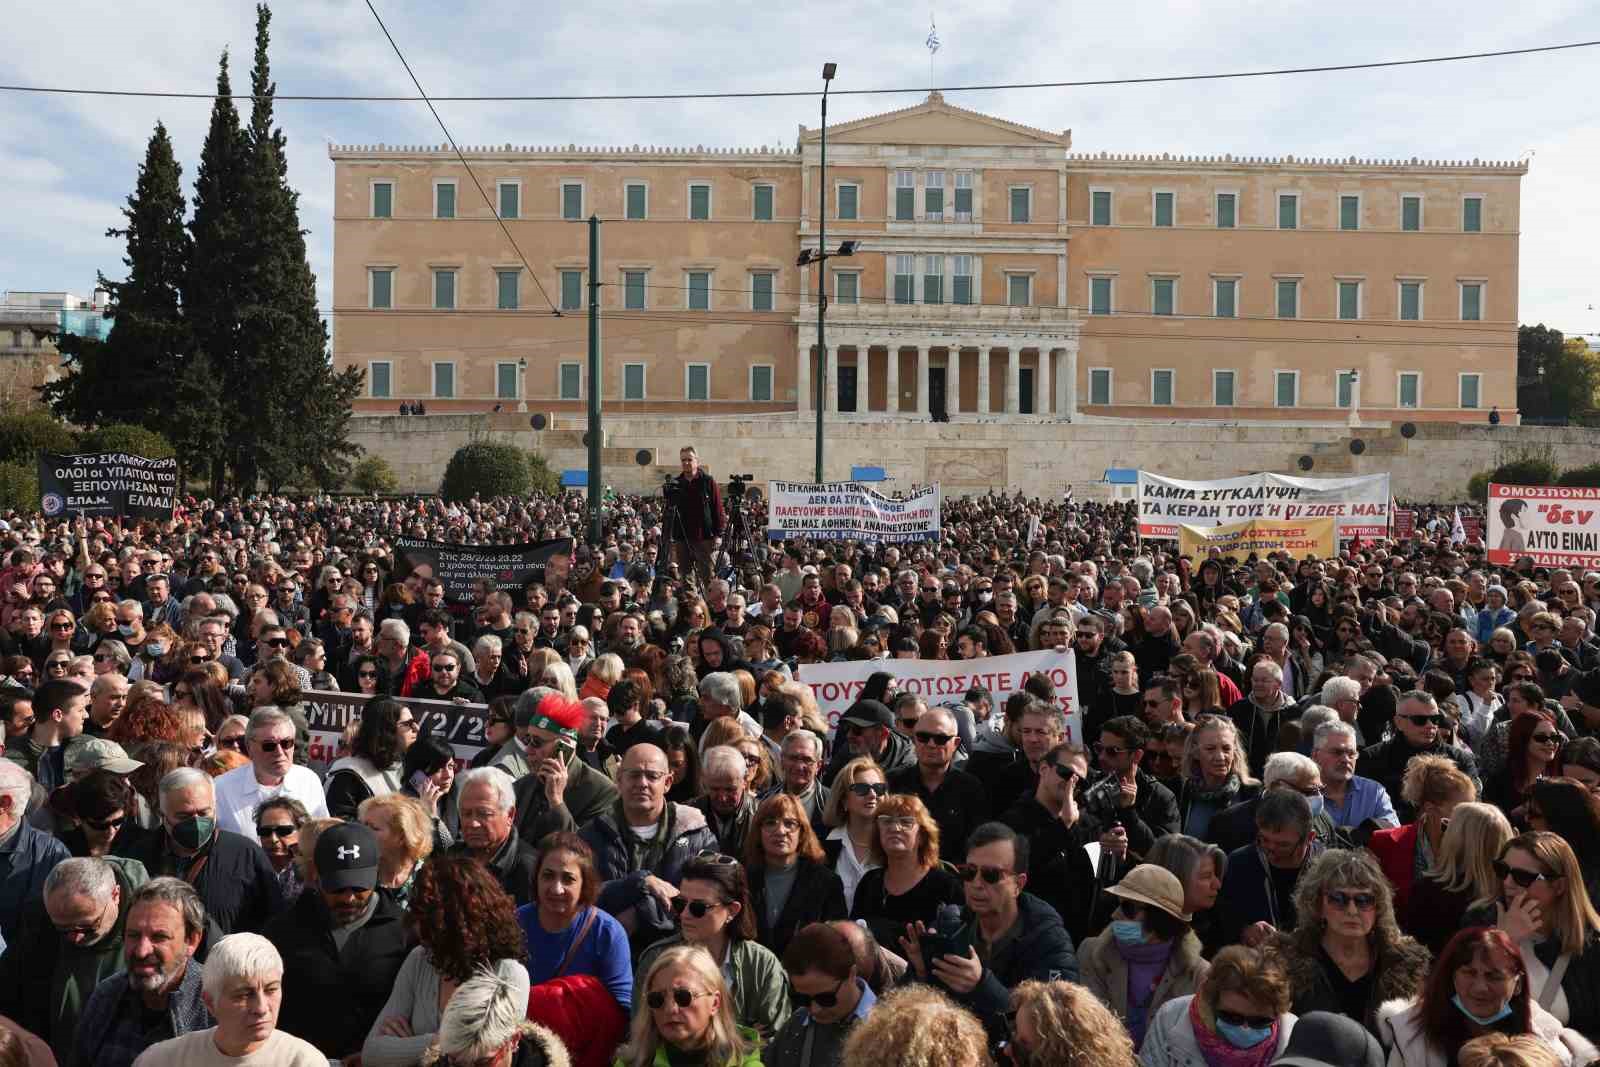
418,780
935,945
565,750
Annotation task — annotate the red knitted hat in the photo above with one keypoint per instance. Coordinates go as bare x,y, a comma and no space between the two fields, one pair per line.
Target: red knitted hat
558,715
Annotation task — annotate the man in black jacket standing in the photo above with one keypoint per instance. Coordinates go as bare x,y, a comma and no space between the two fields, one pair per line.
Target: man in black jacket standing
698,502
1416,732
342,945
1126,810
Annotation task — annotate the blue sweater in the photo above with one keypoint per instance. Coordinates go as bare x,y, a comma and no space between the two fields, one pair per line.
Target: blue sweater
603,954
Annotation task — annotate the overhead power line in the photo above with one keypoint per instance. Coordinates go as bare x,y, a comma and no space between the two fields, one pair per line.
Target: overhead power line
493,207
767,94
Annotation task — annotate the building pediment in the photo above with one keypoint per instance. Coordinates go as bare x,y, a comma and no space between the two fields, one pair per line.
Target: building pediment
937,122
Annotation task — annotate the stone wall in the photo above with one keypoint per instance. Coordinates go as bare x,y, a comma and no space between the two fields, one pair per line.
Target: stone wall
1037,457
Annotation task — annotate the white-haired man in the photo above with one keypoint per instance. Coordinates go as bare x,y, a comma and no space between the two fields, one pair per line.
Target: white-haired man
1235,826
407,670
242,985
29,855
269,742
1350,801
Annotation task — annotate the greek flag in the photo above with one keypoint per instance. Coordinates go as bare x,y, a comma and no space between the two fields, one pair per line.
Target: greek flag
933,36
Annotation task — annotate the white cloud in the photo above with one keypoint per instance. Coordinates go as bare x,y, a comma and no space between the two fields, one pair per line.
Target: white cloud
72,160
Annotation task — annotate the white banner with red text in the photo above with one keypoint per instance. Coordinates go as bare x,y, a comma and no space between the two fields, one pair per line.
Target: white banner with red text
1556,525
945,681
1359,505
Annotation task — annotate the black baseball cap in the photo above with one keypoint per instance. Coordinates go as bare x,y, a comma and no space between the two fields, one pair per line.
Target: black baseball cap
868,713
347,857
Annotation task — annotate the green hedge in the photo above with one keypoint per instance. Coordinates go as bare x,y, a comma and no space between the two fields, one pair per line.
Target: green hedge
25,434
374,475
120,437
19,486
1588,477
542,477
485,469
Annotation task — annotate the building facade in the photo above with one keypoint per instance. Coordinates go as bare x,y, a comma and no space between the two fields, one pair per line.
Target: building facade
996,274
30,322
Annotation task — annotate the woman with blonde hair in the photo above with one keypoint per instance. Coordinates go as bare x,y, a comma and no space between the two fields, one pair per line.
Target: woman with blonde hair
1462,874
686,1015
851,812
917,1026
558,676
1432,786
485,1022
1502,1050
1543,907
405,840
1238,1018
1215,773
605,671
1063,1023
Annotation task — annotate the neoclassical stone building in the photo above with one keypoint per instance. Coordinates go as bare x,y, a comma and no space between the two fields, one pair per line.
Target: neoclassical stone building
998,273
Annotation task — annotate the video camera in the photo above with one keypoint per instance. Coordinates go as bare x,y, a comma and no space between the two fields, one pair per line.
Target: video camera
737,484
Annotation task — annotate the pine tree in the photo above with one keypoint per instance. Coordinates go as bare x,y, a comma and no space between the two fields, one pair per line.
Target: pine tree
126,377
214,293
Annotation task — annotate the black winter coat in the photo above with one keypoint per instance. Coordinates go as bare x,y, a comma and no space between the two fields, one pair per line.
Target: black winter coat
236,883
1041,950
816,897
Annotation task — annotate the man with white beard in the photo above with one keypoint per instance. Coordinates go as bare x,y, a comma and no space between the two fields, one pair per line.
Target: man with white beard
158,996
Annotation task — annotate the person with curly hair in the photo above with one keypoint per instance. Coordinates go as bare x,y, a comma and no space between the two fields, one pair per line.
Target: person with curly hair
1239,1017
463,921
917,1026
1346,954
1062,1024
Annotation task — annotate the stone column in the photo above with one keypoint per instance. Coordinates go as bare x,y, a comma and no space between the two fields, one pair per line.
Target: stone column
952,380
833,378
922,379
1069,373
863,379
1013,378
1042,404
802,379
984,406
891,382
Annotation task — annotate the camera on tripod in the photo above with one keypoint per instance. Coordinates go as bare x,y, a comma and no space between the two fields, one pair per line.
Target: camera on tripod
737,484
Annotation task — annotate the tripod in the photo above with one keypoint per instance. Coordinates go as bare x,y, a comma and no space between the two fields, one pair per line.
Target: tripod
671,531
736,539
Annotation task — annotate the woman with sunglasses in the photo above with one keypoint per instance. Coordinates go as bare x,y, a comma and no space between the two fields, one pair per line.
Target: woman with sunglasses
908,885
278,823
368,675
1239,1017
714,913
851,812
791,884
100,808
1148,954
1544,908
1532,747
1478,985
1462,873
1346,953
684,1014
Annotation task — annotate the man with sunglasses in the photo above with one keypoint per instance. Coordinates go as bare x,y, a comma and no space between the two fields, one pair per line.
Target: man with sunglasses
1013,937
830,997
867,729
1416,732
1126,810
957,800
272,772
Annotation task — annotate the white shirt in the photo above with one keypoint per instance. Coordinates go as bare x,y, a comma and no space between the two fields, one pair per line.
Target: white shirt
239,794
849,869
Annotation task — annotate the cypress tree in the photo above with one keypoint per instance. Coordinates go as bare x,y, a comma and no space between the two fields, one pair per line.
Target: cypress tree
126,377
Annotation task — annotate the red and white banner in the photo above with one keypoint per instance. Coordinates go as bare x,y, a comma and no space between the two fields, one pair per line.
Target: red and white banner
945,681
1405,523
1358,505
1557,525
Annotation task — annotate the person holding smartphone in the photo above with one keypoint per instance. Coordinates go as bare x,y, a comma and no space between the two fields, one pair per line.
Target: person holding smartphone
560,792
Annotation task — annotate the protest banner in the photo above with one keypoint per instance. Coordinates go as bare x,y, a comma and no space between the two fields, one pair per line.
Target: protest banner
507,567
832,511
1556,525
107,483
1236,540
1359,505
328,713
1405,524
938,681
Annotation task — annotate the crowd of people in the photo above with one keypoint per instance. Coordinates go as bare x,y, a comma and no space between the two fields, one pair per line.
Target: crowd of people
1298,810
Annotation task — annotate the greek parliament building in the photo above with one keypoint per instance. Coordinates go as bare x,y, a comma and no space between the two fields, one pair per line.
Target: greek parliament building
998,273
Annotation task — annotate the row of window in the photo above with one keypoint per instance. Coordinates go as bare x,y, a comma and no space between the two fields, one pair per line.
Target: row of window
572,198
1227,208
697,288
569,381
1349,297
1286,388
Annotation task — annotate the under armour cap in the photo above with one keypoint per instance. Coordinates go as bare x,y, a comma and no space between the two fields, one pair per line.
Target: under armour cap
347,857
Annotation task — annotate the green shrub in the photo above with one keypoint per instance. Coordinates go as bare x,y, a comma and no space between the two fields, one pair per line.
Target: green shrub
1478,487
1528,470
1588,477
374,475
19,486
543,478
121,437
24,435
485,469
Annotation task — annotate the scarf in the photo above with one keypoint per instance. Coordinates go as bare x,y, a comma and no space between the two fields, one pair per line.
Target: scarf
1147,965
1218,1053
1221,796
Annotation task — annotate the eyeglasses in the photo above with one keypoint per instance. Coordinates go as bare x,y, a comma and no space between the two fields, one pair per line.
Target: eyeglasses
896,822
62,626
102,825
1524,878
864,789
1546,738
821,1000
1248,1022
406,724
680,996
445,668
696,908
58,665
925,737
1361,901
640,775
1063,771
236,742
1113,751
277,642
990,875
366,674
1425,720
199,659
285,745
281,830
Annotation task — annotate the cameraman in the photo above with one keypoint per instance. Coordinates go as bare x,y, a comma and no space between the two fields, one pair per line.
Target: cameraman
701,520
